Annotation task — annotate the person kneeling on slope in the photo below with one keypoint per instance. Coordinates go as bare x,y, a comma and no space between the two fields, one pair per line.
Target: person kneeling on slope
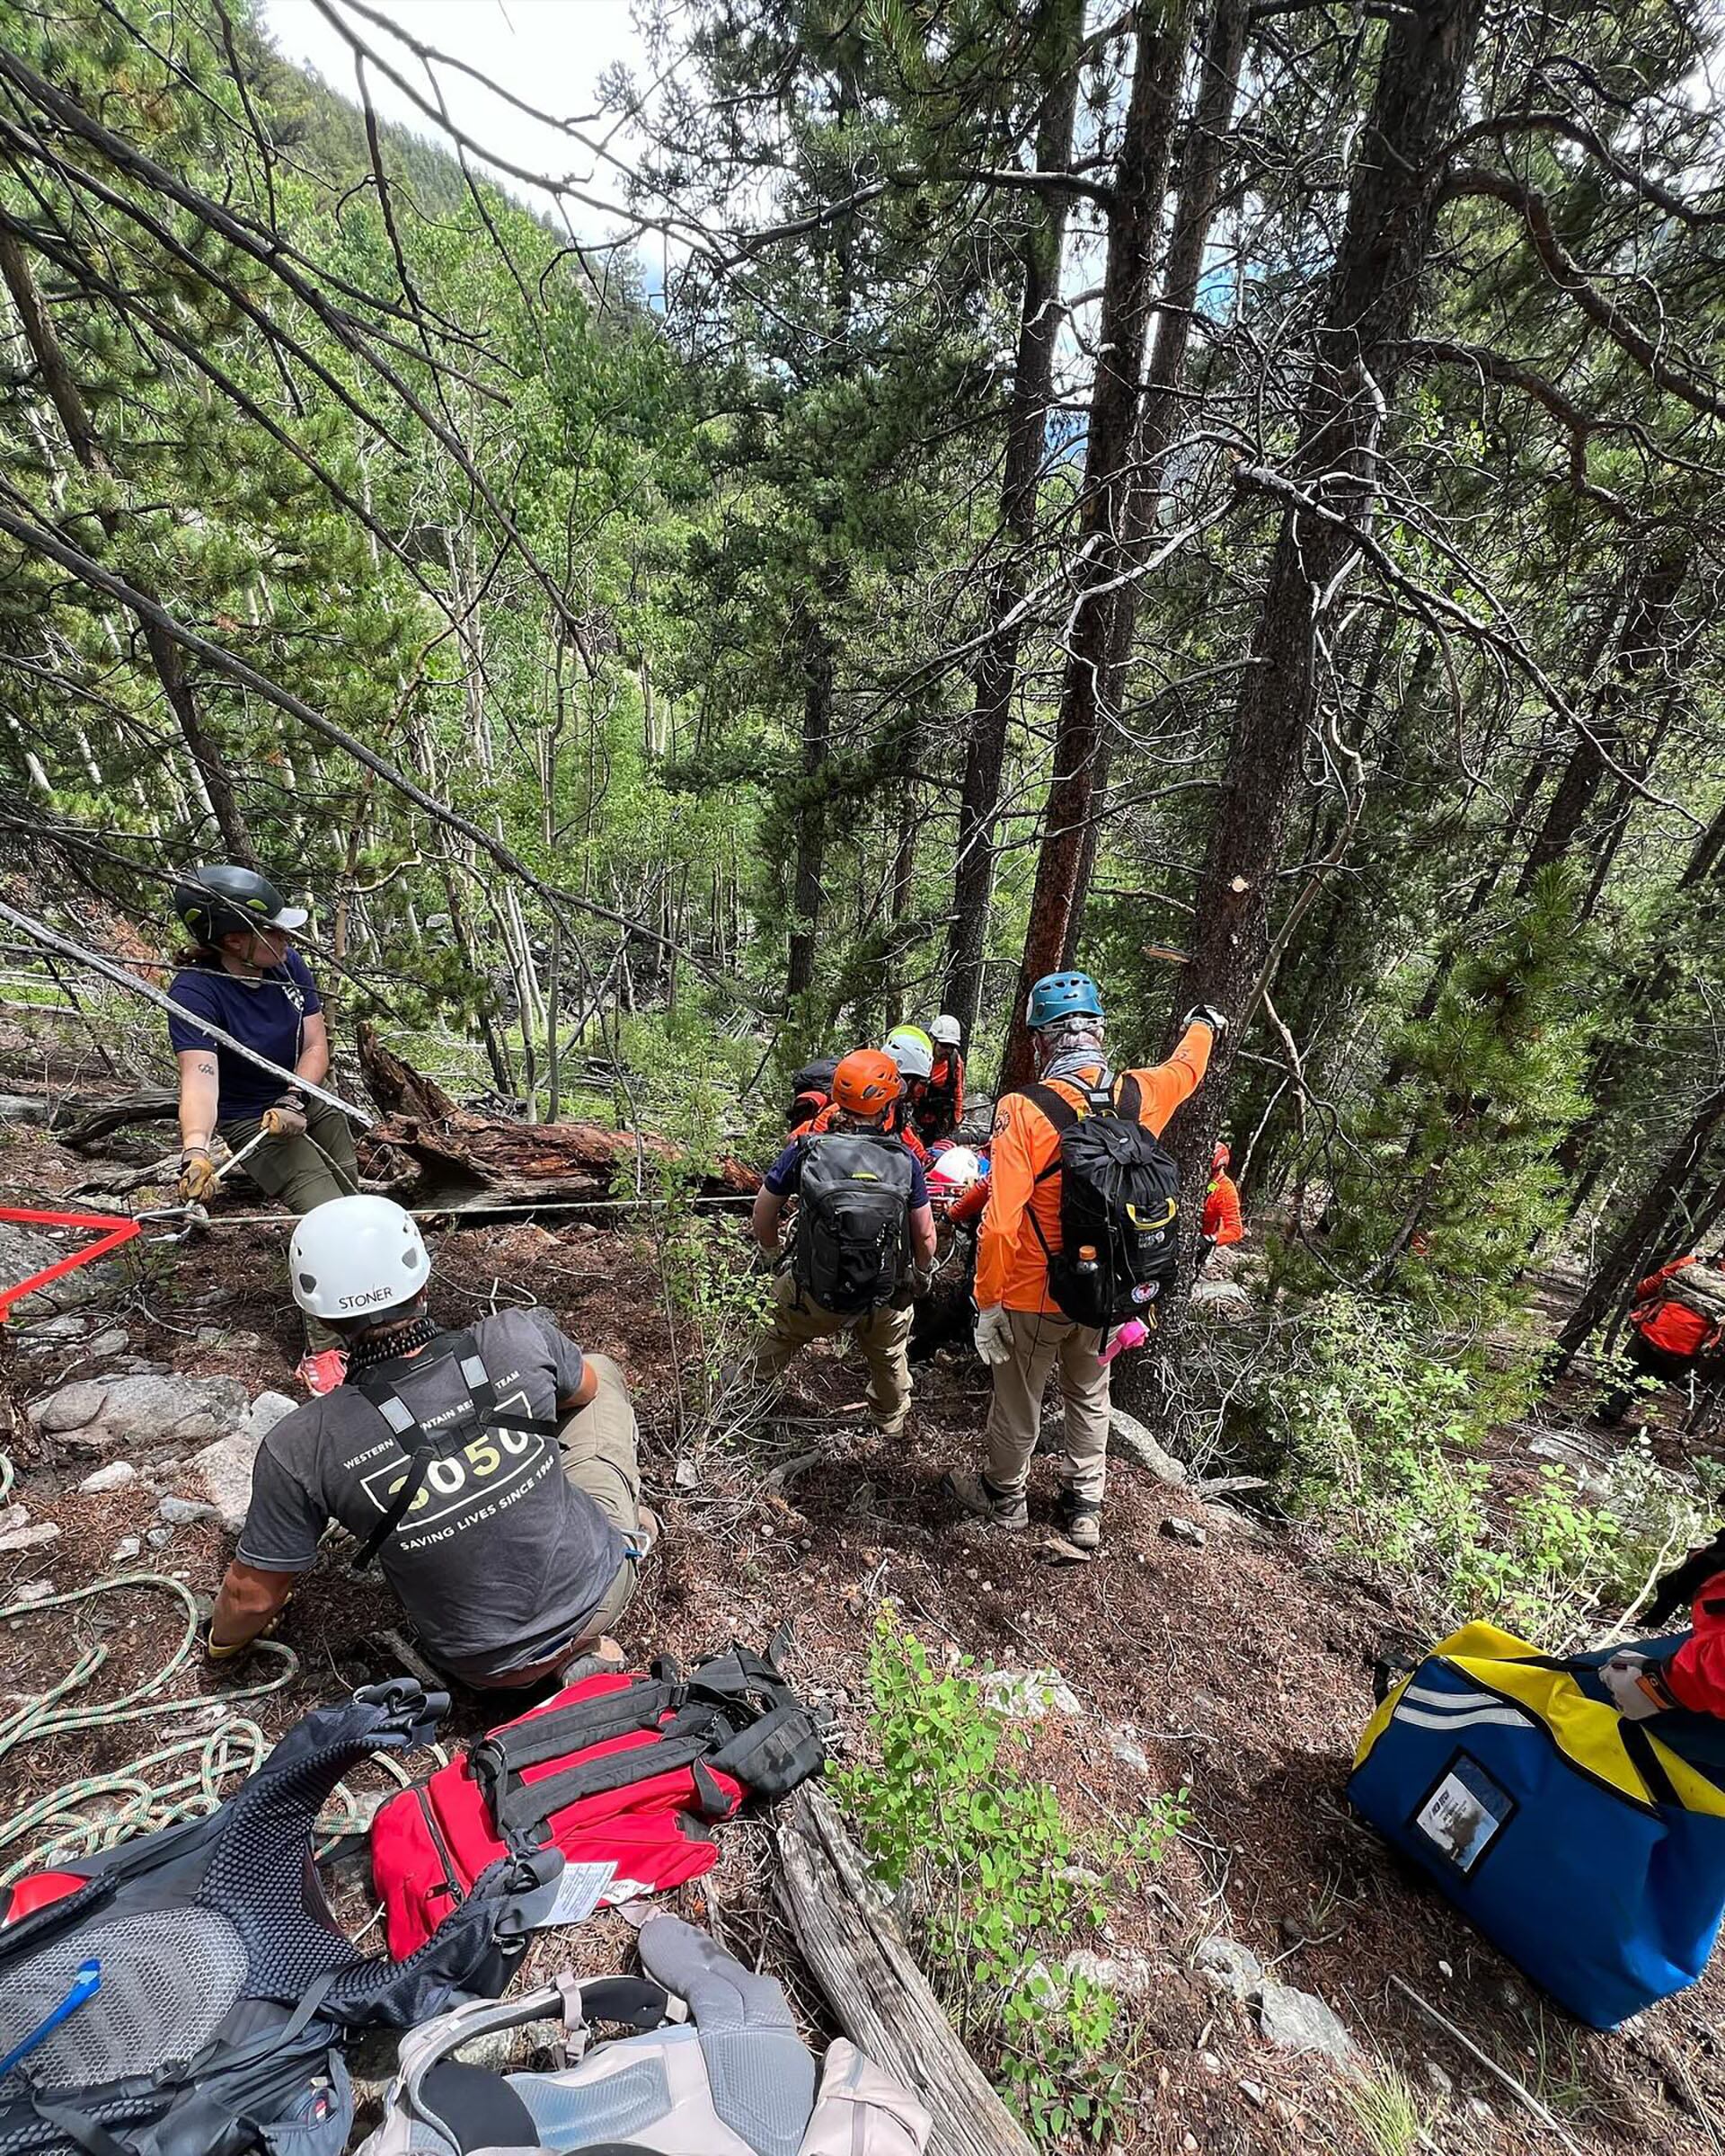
1023,1330
862,1195
492,1472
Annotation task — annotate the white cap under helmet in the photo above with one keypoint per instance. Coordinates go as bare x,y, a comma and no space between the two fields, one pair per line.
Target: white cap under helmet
354,1257
946,1030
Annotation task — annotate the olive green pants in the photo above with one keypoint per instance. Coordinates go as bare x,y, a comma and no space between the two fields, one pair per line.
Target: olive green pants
296,1172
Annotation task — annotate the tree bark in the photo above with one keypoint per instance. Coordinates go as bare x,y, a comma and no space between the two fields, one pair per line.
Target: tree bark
812,809
1641,644
165,655
1140,183
1374,294
1622,1265
996,671
1195,205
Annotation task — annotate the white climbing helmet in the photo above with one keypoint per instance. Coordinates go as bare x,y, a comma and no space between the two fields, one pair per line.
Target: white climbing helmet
945,1030
911,1049
352,1256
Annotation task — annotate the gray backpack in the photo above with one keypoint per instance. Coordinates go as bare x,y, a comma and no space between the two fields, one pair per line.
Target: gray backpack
716,2069
853,1202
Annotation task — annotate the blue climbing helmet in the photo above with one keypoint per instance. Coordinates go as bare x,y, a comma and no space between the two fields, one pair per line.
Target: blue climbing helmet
1059,995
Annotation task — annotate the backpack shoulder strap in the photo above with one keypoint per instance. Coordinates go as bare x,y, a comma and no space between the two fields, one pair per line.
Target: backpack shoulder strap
1057,1109
1129,1096
421,1448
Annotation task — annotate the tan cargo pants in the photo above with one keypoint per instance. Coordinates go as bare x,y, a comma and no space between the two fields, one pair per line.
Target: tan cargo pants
1038,1343
601,1447
883,1336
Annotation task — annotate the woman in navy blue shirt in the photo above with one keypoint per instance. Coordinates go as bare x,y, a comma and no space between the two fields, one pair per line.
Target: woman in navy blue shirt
243,974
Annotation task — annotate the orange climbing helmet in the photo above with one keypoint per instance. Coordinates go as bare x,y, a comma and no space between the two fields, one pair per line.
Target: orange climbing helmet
867,1082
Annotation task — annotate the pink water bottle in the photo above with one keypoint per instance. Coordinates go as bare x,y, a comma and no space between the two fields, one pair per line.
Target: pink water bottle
1134,1333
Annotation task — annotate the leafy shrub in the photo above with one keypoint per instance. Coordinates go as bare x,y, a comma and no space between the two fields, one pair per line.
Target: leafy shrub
1374,1424
989,1877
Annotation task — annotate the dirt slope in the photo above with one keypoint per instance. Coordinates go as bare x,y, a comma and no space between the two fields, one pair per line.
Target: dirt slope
1230,1667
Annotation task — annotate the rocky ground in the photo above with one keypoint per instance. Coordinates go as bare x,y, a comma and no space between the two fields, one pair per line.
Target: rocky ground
1201,1651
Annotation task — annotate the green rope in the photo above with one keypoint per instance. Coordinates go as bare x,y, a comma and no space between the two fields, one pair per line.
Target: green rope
83,1812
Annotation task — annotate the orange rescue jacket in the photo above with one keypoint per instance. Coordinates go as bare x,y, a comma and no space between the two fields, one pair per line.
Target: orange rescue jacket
1663,1321
1221,1221
1011,1269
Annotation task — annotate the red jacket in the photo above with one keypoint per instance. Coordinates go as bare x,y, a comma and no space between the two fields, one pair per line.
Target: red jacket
1696,1672
1664,1322
1221,1221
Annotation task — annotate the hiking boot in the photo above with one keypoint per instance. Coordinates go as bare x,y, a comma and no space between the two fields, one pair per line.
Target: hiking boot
1081,1520
322,1372
1002,1509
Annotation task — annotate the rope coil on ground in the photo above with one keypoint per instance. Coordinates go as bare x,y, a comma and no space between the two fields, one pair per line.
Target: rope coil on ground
82,1812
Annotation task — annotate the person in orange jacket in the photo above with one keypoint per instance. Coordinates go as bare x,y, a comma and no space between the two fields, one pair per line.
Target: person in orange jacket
1021,1332
1668,1339
939,1109
1221,1221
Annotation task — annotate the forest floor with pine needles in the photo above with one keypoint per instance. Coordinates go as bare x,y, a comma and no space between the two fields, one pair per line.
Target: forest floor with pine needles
1237,1668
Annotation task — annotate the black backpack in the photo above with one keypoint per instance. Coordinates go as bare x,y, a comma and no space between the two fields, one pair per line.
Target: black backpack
1119,1197
222,1989
812,1085
853,1199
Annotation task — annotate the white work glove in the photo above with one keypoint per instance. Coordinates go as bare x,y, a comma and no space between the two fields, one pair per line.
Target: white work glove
994,1336
1205,1014
1638,1690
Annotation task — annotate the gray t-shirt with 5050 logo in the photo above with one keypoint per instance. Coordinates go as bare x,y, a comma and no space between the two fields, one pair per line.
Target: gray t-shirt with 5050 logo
499,1560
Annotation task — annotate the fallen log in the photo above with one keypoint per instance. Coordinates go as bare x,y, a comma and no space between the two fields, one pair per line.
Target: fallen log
154,1104
462,1157
851,1941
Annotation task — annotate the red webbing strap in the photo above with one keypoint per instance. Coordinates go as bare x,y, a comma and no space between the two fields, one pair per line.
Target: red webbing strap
118,1232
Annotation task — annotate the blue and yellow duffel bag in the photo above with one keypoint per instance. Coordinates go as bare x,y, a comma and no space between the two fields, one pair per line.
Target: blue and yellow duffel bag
1589,1849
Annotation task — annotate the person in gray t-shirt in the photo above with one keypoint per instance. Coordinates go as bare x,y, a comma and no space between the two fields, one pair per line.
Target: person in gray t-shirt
518,1549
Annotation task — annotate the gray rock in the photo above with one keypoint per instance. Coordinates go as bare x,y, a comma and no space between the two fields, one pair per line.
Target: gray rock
1223,1300
71,1408
66,1327
145,1410
1124,1745
1127,1436
1184,1531
1229,1967
23,1108
1255,2092
687,1475
1440,2079
1300,2021
184,1511
12,1517
139,1366
1029,1695
223,1471
158,1538
123,1551
266,1411
25,1251
32,1590
29,1538
116,1340
116,1475
1127,1974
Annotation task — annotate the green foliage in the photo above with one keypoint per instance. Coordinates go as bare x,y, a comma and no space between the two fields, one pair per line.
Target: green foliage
1389,2111
981,1858
1375,1426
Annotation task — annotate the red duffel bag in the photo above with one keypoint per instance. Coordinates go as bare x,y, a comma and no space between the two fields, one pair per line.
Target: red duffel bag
624,1773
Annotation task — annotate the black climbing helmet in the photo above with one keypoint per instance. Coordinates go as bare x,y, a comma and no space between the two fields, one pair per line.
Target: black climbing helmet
225,901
